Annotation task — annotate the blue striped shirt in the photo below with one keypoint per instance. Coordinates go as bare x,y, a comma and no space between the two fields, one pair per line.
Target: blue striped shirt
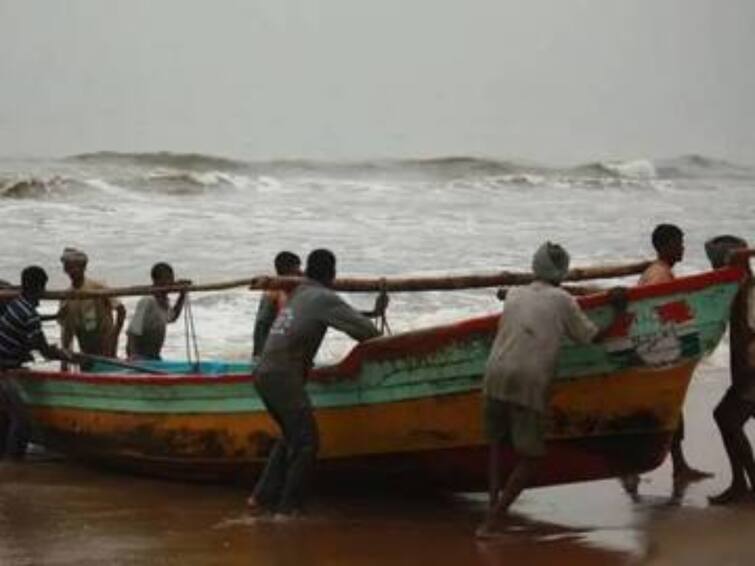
20,327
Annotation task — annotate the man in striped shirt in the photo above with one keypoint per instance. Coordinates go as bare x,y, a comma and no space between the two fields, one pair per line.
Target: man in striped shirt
20,333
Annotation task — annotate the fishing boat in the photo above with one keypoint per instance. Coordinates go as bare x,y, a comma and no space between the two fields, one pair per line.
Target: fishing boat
405,407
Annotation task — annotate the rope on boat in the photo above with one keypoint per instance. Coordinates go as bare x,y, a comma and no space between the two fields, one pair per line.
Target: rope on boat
385,329
190,334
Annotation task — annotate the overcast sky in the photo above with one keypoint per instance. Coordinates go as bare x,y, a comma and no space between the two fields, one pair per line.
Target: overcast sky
554,81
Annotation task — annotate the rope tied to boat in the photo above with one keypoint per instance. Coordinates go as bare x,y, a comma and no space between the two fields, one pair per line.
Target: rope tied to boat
190,334
383,325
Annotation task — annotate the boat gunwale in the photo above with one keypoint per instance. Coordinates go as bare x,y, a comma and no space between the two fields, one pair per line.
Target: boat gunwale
356,356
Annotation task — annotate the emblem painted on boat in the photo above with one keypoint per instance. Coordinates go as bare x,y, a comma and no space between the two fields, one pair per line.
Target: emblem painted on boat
655,336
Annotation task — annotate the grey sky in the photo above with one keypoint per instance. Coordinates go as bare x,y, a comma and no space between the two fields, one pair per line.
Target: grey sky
553,81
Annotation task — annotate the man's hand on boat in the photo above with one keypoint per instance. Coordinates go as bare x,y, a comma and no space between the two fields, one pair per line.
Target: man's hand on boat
56,353
618,298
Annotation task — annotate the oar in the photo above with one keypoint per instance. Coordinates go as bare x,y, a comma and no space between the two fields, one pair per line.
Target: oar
118,363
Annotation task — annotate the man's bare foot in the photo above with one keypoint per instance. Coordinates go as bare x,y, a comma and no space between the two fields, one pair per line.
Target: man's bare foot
732,494
631,485
488,530
494,526
689,474
254,507
287,517
678,490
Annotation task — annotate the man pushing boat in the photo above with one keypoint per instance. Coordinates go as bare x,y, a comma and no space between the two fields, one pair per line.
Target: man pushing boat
738,403
668,242
287,264
20,334
90,321
281,377
521,367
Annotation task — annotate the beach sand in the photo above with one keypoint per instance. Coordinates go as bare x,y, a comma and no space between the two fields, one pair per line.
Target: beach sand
56,512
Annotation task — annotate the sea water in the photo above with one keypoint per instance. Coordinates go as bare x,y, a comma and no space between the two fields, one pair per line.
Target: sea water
216,219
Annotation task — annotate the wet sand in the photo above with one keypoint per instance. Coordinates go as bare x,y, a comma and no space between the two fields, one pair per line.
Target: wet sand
59,513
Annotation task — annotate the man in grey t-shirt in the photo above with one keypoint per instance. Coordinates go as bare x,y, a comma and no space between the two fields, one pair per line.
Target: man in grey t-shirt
281,375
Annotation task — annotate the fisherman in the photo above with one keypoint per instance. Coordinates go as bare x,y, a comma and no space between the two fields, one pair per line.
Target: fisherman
668,241
89,320
738,403
3,416
281,377
273,300
146,332
521,367
20,333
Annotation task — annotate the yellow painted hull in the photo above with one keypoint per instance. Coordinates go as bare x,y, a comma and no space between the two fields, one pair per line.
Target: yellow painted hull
598,426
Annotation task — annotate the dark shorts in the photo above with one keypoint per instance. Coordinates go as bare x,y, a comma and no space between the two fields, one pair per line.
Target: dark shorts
519,427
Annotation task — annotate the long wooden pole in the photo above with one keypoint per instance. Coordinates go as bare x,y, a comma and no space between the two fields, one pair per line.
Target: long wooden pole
357,284
576,290
743,254
449,283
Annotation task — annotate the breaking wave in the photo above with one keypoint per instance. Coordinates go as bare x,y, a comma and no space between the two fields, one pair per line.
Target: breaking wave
465,166
700,167
31,187
191,161
194,173
685,166
635,169
201,179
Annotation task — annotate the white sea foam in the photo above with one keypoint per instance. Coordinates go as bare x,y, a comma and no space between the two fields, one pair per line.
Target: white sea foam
636,169
267,184
112,190
184,180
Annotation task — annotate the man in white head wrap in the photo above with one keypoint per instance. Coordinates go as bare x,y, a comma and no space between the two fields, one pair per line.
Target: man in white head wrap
90,321
73,256
550,263
521,366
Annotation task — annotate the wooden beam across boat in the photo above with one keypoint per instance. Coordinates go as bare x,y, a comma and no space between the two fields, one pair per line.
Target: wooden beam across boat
355,284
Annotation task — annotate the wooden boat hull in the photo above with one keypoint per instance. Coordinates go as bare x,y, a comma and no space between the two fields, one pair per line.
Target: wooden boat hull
408,407
437,439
